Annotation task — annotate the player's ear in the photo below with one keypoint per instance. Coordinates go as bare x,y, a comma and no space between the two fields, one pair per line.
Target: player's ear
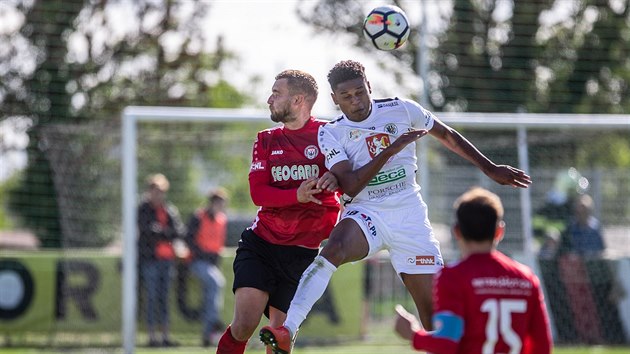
499,232
334,98
457,231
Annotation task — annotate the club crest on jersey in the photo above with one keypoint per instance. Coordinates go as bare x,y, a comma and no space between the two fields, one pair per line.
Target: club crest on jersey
311,152
377,143
391,128
354,135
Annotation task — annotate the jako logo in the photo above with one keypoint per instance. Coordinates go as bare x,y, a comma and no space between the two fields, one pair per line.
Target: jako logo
425,260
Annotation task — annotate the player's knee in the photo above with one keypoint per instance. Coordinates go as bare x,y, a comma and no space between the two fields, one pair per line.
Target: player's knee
242,330
335,251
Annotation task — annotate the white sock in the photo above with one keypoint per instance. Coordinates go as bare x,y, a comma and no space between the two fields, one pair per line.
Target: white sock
312,285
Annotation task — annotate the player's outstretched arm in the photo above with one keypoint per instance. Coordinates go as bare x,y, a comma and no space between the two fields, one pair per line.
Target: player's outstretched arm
438,342
502,174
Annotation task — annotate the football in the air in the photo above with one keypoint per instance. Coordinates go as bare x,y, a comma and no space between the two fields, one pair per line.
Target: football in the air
386,27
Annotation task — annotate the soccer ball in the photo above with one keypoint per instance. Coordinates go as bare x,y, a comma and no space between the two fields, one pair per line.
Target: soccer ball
387,27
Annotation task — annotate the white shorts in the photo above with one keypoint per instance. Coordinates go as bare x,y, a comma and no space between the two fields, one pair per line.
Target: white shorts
405,233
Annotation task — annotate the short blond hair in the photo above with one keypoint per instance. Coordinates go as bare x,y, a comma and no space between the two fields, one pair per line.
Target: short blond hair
218,193
158,181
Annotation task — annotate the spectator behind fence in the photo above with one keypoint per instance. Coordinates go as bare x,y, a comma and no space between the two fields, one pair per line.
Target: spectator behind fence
588,281
159,225
583,235
205,238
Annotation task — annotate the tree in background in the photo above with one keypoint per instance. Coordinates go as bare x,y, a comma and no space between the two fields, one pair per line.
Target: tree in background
70,67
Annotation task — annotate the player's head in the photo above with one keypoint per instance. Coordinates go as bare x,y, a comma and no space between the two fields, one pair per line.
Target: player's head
291,88
479,216
217,198
157,186
350,89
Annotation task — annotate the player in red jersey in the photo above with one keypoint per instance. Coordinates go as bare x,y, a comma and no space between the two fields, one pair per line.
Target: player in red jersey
487,303
298,209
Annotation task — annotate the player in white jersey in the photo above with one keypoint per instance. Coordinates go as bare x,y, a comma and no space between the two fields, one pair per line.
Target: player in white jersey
370,148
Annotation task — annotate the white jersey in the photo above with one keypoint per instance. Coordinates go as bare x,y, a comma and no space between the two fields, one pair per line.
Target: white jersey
395,185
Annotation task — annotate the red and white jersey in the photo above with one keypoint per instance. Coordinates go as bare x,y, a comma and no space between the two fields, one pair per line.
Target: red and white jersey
500,303
395,185
281,160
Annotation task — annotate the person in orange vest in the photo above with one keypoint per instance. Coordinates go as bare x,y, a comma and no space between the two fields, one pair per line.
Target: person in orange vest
206,234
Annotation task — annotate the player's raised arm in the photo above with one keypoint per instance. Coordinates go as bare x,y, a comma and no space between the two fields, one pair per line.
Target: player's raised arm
502,174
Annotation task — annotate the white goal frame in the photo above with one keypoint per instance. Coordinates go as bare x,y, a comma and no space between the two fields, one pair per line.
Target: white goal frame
132,115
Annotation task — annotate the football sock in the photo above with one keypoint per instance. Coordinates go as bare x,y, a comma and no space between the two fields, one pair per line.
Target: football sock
312,286
229,345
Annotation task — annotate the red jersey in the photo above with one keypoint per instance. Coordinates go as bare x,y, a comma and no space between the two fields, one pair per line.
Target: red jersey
487,303
281,160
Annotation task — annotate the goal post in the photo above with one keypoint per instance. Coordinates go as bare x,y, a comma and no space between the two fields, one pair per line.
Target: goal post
526,141
131,116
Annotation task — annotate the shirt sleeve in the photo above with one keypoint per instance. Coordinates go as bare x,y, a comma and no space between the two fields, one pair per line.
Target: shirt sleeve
539,334
331,147
260,188
448,320
421,118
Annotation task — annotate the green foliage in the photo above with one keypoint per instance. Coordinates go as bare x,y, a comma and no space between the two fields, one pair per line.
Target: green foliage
90,80
6,221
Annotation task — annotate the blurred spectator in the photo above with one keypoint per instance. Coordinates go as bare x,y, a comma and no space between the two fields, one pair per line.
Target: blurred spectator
205,237
159,225
550,245
583,235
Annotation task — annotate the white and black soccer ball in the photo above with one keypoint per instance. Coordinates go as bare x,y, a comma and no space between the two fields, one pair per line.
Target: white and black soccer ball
386,27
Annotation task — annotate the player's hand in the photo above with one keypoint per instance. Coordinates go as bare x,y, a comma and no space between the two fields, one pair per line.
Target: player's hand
307,190
328,182
509,176
406,324
406,139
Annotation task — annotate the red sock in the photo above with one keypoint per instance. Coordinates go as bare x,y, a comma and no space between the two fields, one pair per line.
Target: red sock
229,345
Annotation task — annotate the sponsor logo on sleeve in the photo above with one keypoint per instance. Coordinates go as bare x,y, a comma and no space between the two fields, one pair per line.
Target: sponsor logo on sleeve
332,153
258,166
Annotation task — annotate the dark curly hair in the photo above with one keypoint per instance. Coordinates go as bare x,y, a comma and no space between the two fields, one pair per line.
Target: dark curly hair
300,82
345,70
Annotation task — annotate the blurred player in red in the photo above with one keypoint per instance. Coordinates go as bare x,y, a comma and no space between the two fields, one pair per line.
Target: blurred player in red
487,302
298,209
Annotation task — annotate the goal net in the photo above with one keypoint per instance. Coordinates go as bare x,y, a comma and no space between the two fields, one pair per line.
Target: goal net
200,148
99,174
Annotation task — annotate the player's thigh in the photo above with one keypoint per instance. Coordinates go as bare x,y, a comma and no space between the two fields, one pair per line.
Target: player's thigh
347,243
249,305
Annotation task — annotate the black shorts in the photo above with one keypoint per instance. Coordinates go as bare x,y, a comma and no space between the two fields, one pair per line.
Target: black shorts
274,269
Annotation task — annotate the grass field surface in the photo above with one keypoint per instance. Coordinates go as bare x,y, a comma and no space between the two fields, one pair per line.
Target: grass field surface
341,349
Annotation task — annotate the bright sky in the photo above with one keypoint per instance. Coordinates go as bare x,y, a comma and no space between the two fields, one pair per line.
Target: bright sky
269,37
